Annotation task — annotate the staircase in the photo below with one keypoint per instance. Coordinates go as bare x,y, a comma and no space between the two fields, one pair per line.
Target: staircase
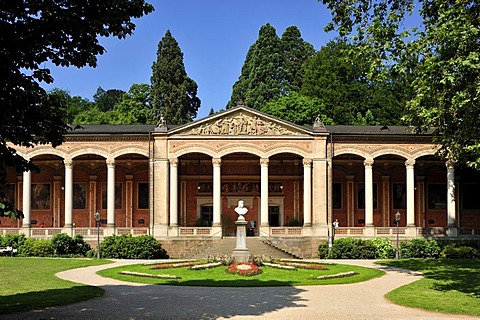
255,246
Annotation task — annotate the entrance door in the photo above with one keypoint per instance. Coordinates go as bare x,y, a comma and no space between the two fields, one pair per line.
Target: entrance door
274,216
206,216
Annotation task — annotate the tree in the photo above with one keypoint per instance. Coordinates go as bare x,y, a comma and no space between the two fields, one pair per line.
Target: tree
106,100
272,67
33,33
441,55
174,94
297,109
341,83
295,52
261,78
134,108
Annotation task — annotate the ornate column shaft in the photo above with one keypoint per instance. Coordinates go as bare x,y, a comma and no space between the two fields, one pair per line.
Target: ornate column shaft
27,198
368,163
264,192
68,193
451,193
217,192
110,193
410,165
307,192
173,192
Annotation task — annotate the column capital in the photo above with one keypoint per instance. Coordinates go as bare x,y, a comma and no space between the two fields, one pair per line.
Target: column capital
217,162
451,164
307,162
264,162
110,162
410,163
68,163
368,163
173,162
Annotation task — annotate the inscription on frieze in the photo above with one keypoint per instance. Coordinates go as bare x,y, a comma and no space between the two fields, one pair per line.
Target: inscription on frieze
240,124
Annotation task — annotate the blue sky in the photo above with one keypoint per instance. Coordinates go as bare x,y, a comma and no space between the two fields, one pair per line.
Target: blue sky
214,36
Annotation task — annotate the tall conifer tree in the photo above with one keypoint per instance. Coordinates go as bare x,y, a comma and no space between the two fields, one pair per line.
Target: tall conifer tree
174,94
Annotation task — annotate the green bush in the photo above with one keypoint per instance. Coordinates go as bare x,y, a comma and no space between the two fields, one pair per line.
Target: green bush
64,245
419,248
323,250
32,247
12,240
452,252
384,248
129,247
352,248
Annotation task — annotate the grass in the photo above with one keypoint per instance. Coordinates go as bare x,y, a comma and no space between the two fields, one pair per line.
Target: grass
30,283
449,286
217,277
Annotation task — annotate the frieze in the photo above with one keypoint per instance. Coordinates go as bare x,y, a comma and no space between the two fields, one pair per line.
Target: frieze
240,124
240,187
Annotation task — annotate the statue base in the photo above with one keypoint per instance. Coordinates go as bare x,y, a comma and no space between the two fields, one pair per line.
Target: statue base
241,253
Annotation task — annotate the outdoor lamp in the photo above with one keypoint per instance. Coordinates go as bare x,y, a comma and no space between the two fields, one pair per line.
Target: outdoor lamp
96,215
397,220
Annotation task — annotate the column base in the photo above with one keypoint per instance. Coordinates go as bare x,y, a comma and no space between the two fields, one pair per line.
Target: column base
452,232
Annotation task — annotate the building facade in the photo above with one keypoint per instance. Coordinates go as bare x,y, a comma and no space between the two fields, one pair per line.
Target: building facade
178,183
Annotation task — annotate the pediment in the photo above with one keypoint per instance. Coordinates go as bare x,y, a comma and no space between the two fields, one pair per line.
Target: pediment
241,121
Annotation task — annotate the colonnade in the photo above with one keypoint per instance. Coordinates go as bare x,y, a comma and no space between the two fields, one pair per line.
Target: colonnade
217,196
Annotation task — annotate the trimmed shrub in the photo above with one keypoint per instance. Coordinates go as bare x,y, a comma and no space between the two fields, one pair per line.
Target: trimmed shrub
129,247
32,247
323,250
352,248
64,245
12,240
452,252
419,248
384,248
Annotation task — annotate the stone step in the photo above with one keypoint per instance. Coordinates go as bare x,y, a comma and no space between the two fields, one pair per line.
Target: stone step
255,246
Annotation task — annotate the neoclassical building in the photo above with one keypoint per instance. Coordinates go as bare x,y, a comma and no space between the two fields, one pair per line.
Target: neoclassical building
182,183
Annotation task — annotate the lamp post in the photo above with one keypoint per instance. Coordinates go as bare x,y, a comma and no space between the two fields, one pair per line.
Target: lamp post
97,219
397,220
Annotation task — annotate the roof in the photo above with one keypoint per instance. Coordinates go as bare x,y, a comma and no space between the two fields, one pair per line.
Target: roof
112,129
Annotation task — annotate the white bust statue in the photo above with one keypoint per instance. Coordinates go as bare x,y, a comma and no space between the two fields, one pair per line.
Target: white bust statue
241,210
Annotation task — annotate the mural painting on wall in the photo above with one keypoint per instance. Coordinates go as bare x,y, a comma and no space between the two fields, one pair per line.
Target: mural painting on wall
240,187
40,196
79,195
118,195
240,124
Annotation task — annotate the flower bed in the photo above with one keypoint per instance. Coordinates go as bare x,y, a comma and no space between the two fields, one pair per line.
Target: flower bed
206,265
148,275
336,276
243,269
279,266
176,265
303,265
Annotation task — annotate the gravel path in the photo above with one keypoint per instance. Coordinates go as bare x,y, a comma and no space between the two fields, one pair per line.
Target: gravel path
125,300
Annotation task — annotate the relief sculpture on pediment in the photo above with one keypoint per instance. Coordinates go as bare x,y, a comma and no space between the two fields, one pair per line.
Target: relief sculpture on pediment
240,124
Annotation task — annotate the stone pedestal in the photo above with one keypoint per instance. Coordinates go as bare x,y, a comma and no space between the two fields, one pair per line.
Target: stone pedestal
241,254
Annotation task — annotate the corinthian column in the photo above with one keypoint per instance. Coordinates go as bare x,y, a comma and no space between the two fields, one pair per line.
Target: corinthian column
173,192
264,192
410,165
68,193
110,193
451,193
217,192
307,192
368,163
27,198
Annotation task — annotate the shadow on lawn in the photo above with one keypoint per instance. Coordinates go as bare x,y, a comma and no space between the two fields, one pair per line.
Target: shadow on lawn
459,275
174,302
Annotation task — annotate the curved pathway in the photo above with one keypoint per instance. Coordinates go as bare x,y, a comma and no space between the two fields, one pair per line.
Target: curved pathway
125,300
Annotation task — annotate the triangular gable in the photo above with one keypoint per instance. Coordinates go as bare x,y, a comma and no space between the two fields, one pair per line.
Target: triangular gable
241,120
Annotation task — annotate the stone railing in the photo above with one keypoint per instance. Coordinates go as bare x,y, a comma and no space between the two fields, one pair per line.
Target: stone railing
286,231
194,231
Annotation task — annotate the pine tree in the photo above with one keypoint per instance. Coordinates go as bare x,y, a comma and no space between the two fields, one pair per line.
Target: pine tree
261,77
295,52
272,68
174,94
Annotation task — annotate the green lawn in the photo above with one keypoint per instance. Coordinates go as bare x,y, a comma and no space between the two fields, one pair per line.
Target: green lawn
217,277
30,283
449,286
